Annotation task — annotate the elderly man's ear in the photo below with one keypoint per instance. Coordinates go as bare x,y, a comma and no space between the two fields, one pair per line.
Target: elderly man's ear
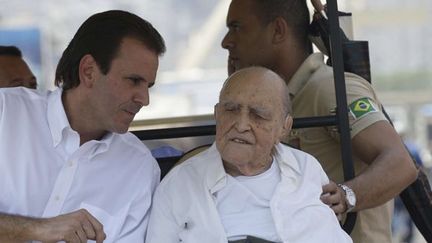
287,126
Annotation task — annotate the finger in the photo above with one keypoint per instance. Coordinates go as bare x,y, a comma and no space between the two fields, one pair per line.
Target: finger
88,230
100,237
81,235
72,237
326,199
331,199
336,198
338,208
339,217
331,188
97,227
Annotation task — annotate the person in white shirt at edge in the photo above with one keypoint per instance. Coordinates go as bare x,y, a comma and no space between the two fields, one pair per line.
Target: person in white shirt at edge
247,184
69,170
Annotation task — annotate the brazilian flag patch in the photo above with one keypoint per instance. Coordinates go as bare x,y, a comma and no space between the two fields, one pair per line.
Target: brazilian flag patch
361,107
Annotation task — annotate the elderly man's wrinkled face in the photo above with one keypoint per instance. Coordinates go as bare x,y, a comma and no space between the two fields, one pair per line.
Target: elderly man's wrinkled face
249,118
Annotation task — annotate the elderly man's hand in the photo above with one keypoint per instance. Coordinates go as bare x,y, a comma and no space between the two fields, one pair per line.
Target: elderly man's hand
334,197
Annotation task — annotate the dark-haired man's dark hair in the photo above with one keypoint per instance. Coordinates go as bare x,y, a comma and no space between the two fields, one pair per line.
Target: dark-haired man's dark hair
295,13
10,51
101,36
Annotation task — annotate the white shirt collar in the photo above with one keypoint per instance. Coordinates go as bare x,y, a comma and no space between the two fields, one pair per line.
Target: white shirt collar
286,160
216,175
215,172
56,115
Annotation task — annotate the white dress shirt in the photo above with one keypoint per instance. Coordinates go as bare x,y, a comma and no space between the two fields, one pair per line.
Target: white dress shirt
184,207
44,172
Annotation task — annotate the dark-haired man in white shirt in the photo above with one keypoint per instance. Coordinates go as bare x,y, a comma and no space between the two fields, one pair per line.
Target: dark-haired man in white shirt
69,170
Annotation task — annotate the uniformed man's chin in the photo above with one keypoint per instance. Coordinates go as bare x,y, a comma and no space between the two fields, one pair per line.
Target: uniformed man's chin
239,67
244,65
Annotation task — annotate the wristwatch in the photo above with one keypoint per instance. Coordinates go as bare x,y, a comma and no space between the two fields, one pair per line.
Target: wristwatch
350,197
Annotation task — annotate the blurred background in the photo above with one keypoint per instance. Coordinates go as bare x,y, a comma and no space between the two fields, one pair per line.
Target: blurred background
193,69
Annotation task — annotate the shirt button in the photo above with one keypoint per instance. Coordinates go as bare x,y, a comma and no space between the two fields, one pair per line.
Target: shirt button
71,163
57,198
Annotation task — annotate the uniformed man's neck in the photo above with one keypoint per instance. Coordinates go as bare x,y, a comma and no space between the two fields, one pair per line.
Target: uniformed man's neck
288,65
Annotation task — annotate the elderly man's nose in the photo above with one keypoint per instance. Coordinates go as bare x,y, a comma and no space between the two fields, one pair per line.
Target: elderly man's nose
242,123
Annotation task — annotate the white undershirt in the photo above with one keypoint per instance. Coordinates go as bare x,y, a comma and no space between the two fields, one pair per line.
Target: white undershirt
244,205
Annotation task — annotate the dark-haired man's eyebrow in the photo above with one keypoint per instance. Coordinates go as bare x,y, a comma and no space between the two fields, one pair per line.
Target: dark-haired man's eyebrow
137,79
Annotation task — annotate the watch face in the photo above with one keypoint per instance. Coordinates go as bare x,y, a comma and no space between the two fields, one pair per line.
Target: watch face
351,198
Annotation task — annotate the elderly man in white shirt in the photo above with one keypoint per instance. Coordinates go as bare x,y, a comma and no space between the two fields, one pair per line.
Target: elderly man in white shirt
247,185
69,170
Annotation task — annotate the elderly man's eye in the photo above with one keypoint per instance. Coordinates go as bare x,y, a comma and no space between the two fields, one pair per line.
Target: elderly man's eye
258,116
230,107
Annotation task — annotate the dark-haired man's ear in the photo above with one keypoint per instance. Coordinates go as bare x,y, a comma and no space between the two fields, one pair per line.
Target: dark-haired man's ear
280,27
88,69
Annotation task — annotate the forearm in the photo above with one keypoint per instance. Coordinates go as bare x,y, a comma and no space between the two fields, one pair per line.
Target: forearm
17,228
384,179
